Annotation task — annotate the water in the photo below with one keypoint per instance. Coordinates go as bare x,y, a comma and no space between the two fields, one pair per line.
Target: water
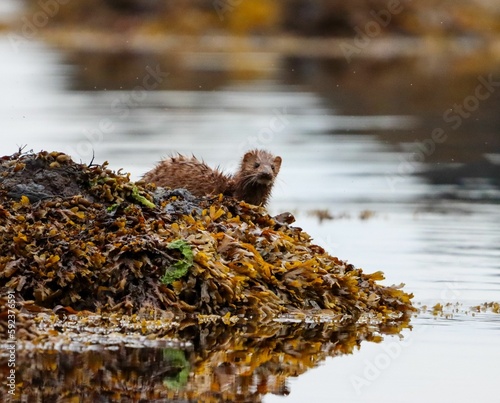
350,138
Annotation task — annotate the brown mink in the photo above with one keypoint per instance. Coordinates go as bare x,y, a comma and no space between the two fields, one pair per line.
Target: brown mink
255,179
252,183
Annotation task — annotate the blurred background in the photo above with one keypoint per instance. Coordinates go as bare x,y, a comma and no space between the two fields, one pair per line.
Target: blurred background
386,114
144,78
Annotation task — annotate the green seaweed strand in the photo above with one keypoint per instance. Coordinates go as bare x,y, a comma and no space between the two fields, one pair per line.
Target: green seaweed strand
176,359
179,268
141,199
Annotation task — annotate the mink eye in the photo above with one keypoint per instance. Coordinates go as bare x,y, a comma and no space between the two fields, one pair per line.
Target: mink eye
256,165
272,167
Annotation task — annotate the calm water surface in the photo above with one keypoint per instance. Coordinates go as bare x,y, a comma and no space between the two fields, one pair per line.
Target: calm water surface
346,149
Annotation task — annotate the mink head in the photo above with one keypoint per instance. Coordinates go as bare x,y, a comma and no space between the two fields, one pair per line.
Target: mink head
260,167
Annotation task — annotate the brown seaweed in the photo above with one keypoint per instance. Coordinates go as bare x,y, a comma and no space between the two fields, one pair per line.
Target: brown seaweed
87,238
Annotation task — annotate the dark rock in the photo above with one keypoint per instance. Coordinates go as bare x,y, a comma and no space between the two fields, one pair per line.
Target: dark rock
186,202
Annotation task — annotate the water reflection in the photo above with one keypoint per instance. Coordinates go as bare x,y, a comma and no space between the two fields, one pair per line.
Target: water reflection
217,99
439,96
478,180
456,102
97,71
220,363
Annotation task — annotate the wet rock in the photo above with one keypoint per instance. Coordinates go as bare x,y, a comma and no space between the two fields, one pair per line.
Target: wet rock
40,177
178,201
33,191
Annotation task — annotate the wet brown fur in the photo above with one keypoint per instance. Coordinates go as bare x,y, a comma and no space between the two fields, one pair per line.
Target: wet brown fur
252,183
255,179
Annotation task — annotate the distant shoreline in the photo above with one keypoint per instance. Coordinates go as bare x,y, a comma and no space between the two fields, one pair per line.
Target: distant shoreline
383,47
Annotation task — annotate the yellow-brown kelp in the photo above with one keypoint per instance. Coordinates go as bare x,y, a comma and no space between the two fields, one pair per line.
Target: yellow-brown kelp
239,363
86,238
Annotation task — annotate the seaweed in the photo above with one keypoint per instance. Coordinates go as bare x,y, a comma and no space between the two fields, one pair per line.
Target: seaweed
87,238
177,359
179,268
141,199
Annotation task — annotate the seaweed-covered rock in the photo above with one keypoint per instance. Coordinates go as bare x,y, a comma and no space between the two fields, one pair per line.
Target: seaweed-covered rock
86,238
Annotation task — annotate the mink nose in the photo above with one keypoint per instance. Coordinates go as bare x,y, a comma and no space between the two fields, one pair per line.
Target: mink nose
268,175
265,178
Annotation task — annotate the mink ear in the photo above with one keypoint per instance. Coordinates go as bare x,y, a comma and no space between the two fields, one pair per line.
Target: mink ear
248,156
277,163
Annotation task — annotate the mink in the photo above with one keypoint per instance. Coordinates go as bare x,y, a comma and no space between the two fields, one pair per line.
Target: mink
252,183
